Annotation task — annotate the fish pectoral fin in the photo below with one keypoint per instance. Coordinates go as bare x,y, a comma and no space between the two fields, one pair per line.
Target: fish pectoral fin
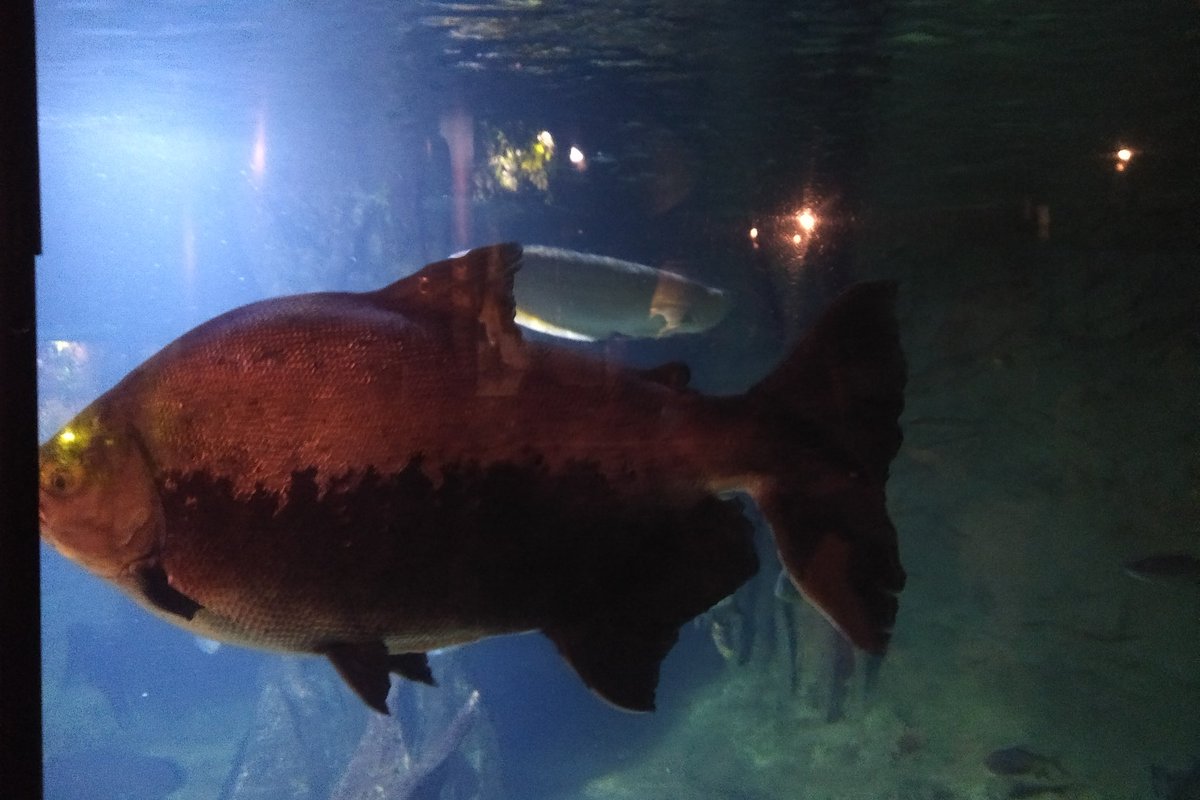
620,666
365,666
155,587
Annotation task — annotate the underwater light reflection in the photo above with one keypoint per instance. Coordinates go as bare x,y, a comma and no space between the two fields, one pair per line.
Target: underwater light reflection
258,157
795,230
1122,158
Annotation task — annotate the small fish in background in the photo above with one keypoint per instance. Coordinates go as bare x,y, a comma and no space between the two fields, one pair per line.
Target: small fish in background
588,297
1018,760
1169,784
110,773
1168,569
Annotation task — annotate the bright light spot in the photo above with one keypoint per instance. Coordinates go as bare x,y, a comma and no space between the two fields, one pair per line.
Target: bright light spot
68,351
754,233
1043,221
796,238
807,220
67,436
1124,154
258,157
510,165
576,155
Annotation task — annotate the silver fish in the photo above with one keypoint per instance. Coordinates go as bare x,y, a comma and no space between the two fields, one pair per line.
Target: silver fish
372,476
589,297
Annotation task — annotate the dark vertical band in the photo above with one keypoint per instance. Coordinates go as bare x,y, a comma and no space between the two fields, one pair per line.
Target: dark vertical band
20,241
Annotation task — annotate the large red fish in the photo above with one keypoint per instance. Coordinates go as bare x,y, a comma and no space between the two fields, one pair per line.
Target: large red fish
372,476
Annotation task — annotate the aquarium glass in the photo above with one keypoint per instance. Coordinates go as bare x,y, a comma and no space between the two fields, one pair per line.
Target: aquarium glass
1027,174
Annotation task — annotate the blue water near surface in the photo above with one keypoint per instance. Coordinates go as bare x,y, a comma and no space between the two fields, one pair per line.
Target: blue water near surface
196,157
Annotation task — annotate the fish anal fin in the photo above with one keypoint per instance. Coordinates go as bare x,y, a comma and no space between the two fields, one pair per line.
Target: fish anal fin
840,550
154,586
619,666
643,570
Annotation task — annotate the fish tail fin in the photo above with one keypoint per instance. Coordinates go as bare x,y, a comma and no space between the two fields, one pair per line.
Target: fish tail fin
831,415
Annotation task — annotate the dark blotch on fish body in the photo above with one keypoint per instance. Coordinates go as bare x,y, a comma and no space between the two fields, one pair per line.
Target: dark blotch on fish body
663,557
372,476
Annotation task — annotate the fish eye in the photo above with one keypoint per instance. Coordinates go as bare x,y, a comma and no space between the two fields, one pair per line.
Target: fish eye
60,481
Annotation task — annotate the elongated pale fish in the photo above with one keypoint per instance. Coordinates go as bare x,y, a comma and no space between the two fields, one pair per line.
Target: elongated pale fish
588,297
373,476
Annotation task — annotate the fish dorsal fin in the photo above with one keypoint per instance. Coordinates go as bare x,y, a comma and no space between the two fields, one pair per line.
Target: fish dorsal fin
474,287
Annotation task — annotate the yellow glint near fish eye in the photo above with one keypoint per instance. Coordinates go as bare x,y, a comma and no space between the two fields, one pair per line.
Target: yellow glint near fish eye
73,439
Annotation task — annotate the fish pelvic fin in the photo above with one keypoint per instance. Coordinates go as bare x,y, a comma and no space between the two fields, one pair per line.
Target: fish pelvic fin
832,411
365,667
